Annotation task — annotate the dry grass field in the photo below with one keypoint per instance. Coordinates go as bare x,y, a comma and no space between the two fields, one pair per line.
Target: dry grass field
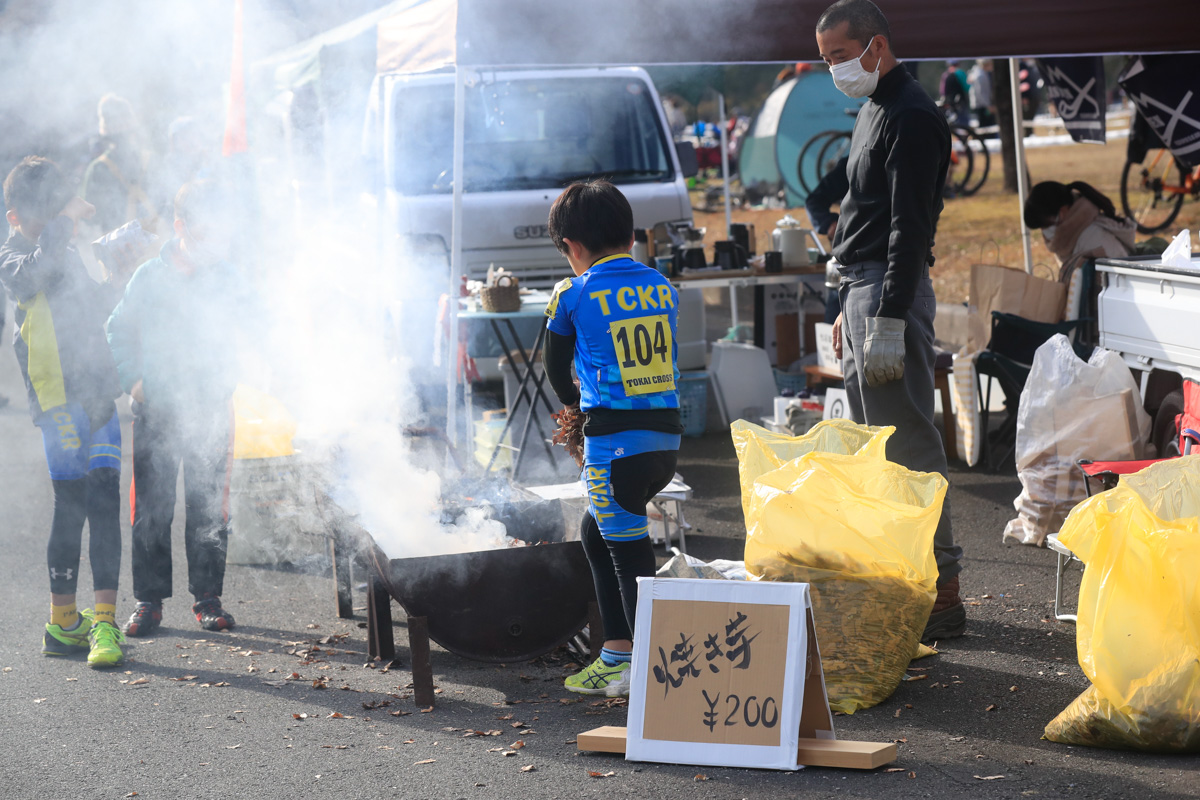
986,227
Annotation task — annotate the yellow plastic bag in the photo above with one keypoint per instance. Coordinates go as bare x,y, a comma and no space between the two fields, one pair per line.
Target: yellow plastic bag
760,450
263,428
1139,613
859,529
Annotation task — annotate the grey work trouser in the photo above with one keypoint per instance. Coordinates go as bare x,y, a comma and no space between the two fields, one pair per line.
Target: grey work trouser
906,403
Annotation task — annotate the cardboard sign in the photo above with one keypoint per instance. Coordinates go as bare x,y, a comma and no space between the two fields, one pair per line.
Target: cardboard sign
725,673
836,405
825,354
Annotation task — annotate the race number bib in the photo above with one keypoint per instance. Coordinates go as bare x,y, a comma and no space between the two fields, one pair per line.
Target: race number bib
644,349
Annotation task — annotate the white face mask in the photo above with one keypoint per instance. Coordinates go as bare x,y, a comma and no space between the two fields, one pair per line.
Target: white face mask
852,79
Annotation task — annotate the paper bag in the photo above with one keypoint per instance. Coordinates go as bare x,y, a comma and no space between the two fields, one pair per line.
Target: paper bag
996,288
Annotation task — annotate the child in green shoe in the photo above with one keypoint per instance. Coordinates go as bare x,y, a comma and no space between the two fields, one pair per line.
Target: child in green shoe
72,384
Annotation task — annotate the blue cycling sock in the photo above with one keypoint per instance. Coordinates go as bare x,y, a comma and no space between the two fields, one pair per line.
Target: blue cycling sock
612,658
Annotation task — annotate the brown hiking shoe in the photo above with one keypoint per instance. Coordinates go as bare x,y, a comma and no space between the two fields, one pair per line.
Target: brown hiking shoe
948,620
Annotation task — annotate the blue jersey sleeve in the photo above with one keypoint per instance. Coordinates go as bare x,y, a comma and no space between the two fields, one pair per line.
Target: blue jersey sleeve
560,308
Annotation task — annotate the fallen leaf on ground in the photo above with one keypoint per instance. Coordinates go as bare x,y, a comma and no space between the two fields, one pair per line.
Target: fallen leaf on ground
912,774
426,710
609,775
233,746
336,715
992,707
39,701
988,777
139,682
132,794
700,778
517,745
898,710
915,677
529,768
299,716
400,713
426,761
894,769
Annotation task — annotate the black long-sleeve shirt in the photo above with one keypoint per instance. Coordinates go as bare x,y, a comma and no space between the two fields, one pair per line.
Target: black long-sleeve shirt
899,154
832,189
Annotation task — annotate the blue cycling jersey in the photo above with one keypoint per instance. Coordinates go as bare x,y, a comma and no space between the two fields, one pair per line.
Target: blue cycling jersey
623,316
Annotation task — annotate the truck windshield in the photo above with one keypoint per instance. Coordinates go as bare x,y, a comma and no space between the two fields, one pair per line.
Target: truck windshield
529,134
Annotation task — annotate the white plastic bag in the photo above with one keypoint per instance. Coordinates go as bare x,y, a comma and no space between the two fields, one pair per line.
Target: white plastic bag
1070,410
1179,252
967,418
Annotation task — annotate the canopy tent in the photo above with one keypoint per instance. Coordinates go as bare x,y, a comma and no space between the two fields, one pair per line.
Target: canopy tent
467,35
548,32
318,89
793,113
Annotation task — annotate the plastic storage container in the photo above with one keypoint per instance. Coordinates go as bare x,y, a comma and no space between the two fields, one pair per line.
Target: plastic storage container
790,381
693,402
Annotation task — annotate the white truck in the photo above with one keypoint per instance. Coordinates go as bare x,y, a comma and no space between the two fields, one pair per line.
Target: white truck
1150,314
528,133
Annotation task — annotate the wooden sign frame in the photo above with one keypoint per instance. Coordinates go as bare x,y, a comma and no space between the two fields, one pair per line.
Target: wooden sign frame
802,704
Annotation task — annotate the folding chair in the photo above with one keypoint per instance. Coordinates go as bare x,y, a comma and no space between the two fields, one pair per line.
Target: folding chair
1008,359
1107,473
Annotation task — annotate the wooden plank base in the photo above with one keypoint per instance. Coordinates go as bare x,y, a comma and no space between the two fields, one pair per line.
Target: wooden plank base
813,752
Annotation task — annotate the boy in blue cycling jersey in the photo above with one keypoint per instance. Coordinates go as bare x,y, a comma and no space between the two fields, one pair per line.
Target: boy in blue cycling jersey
616,321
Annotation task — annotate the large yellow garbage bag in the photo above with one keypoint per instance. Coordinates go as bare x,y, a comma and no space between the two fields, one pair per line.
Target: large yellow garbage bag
1139,613
859,529
263,428
760,450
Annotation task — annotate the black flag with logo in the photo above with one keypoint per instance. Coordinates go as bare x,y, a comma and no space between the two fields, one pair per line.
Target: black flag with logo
1076,87
1166,91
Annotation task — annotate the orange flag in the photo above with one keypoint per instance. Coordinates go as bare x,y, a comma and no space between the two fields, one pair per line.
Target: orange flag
235,113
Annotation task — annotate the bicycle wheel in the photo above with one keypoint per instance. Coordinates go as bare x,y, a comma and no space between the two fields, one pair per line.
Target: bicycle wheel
962,162
1146,194
832,152
811,148
981,163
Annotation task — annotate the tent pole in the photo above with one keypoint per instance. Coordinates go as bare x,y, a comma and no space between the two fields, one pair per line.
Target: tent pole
733,298
456,265
725,167
1022,169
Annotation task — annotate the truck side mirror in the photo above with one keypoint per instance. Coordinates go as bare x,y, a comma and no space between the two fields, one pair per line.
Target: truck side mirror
689,165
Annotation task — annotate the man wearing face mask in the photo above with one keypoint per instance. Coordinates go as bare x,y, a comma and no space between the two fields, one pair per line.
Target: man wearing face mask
899,154
176,336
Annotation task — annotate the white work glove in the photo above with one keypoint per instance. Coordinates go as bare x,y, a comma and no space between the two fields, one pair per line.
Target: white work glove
883,351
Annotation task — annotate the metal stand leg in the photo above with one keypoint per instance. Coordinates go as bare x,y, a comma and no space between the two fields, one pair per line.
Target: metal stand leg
1060,570
381,642
595,629
342,575
422,670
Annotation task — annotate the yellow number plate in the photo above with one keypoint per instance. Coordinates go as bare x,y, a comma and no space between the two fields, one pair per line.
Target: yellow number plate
644,350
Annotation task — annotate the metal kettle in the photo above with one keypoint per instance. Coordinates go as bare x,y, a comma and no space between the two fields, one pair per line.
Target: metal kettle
790,237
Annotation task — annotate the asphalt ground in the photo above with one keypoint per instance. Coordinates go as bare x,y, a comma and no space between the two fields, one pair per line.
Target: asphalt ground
194,714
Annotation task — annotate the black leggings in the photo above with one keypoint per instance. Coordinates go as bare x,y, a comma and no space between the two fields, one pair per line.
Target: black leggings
95,499
616,565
